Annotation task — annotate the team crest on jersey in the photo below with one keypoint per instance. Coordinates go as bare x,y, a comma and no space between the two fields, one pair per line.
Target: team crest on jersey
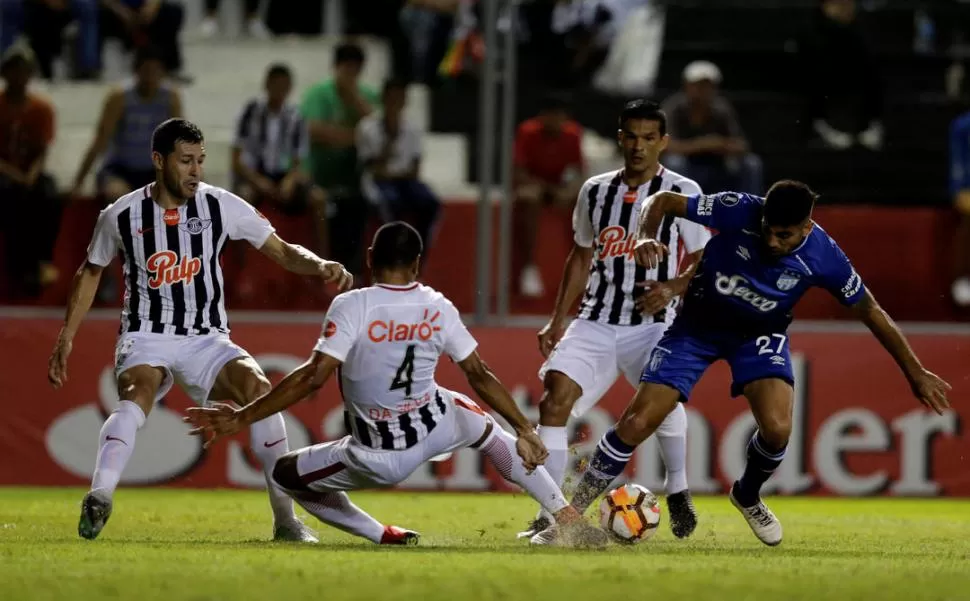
788,280
195,225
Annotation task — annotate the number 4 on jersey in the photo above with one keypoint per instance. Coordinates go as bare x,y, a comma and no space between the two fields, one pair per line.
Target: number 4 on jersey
405,373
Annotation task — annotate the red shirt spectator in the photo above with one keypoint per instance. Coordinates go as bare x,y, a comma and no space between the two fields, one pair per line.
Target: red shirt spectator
544,153
26,130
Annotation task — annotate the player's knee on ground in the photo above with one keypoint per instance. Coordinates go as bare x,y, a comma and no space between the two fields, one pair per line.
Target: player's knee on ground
285,474
558,398
650,407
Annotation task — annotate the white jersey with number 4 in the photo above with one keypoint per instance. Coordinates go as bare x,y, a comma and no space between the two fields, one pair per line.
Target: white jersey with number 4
389,339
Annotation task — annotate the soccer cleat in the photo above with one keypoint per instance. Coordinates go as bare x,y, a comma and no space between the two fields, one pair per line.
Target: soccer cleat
535,527
579,534
295,532
95,511
762,521
394,535
683,515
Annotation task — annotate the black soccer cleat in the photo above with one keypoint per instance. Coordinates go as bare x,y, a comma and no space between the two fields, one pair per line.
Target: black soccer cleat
95,511
683,515
535,527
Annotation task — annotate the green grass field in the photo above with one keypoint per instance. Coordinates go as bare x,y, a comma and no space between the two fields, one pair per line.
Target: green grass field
172,544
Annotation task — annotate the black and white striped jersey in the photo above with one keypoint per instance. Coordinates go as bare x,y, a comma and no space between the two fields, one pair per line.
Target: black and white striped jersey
271,142
605,219
170,257
389,340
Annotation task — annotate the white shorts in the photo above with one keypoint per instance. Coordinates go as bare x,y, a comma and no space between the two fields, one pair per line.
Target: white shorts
594,354
192,361
346,464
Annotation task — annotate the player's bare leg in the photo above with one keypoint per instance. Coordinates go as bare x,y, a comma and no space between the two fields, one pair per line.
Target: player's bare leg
558,397
335,507
137,387
570,527
771,403
242,381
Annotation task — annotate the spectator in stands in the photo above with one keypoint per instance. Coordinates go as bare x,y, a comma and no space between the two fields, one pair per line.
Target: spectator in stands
254,23
141,23
268,153
389,150
587,29
44,21
841,78
124,131
425,25
32,210
549,170
332,109
706,141
960,189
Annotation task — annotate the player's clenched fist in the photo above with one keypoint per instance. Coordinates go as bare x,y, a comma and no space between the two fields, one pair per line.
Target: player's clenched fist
531,450
335,273
649,253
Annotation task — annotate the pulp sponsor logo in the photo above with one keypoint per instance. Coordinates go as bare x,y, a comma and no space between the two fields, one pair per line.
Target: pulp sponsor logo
164,268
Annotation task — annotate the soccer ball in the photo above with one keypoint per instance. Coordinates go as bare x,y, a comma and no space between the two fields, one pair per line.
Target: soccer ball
631,513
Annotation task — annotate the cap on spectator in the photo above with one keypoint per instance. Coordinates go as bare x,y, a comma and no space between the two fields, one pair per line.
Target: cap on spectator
702,71
17,52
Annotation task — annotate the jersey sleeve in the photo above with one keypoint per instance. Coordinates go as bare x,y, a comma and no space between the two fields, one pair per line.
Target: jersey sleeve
583,233
694,236
459,342
105,241
340,328
724,211
244,222
839,277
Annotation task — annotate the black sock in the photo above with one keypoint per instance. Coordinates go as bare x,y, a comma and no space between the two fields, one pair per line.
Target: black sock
762,463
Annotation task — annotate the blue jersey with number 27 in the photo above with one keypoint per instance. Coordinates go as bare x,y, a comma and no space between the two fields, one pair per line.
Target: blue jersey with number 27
739,303
740,287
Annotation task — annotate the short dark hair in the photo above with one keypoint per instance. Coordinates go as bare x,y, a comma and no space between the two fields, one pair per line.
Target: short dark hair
145,54
643,109
554,101
396,244
394,83
171,131
348,53
788,203
278,70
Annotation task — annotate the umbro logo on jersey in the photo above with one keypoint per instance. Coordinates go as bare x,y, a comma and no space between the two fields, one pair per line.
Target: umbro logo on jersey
195,225
744,253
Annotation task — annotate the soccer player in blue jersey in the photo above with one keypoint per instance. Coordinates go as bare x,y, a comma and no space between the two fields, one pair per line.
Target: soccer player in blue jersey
766,254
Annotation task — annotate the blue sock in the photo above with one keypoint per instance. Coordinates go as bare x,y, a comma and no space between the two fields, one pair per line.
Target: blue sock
762,463
608,462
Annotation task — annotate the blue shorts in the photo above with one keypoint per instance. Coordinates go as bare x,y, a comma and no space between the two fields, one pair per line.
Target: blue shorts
681,358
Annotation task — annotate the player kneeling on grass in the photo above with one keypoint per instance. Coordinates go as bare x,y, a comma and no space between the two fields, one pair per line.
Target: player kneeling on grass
385,340
766,254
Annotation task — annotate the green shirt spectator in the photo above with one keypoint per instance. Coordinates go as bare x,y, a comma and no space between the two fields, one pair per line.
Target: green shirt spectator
332,109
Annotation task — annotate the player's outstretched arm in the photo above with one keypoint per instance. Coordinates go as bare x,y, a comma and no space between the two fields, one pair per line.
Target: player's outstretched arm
575,274
490,390
83,288
224,420
930,389
295,258
649,251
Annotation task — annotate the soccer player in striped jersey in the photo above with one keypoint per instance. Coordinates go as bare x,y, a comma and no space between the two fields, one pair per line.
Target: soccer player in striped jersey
384,343
626,307
170,235
766,254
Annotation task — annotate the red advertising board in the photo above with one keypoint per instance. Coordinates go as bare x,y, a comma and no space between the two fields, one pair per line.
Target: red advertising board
858,430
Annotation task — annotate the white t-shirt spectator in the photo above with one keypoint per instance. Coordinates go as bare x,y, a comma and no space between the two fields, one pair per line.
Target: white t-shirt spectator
371,138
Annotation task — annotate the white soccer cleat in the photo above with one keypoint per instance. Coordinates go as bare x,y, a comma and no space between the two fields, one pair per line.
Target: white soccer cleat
295,532
535,527
762,521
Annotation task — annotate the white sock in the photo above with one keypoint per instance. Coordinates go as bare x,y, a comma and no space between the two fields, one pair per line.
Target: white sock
268,440
672,435
500,450
337,510
117,443
556,440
